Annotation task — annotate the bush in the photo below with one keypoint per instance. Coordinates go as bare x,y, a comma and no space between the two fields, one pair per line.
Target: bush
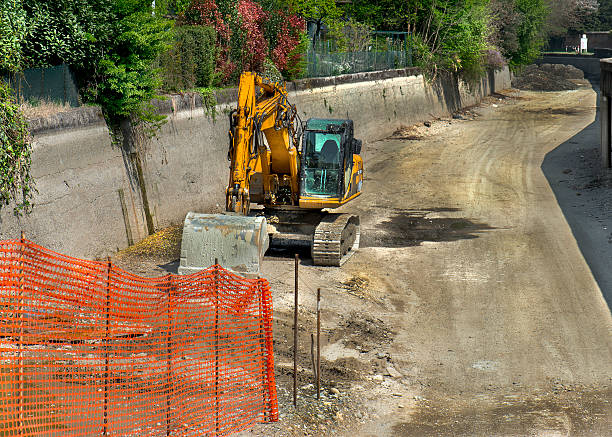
248,33
125,81
16,184
191,61
13,27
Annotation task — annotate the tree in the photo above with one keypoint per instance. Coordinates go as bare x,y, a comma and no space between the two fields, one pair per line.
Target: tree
317,12
505,20
519,29
530,31
569,15
74,32
394,15
123,80
600,20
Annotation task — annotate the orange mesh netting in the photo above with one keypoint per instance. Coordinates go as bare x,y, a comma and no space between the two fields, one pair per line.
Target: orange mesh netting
88,349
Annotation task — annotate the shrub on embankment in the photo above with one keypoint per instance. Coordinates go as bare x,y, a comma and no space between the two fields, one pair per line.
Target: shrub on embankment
16,183
190,62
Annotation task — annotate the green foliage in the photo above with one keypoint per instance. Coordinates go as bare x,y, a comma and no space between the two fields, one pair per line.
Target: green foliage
75,32
125,80
270,72
453,35
394,15
173,7
297,70
13,31
209,100
450,35
317,10
353,36
463,39
16,183
191,60
530,31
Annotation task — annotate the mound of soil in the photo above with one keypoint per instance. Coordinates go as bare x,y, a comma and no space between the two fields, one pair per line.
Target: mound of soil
548,77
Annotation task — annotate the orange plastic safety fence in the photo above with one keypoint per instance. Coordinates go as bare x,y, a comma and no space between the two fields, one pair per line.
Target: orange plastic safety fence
88,349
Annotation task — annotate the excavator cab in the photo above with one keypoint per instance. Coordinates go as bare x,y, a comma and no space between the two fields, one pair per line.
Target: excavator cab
331,168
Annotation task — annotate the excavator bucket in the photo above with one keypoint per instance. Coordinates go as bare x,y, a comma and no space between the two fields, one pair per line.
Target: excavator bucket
237,242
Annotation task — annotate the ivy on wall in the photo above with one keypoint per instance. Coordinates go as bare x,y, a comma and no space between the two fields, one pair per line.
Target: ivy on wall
16,183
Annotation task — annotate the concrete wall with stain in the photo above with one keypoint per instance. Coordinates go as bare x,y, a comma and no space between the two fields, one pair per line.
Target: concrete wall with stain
95,197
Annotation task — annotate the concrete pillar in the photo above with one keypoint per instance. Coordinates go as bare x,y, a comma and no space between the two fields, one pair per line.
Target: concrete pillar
605,131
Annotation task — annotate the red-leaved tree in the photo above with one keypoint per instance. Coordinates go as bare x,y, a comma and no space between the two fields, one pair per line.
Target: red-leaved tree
284,55
241,40
255,45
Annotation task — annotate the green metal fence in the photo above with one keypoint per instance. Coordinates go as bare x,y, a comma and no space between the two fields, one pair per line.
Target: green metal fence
52,84
386,50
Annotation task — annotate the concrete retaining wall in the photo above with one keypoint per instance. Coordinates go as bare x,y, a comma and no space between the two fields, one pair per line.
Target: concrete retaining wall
95,197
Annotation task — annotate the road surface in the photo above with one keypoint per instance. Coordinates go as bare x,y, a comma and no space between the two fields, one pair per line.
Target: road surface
472,283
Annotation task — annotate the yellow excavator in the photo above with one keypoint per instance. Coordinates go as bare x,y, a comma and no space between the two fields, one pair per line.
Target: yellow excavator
291,173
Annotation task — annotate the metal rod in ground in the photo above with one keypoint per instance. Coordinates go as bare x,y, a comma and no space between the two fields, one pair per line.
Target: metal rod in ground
318,343
312,356
216,285
295,331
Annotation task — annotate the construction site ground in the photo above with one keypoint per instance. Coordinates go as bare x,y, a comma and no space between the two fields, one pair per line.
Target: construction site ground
470,309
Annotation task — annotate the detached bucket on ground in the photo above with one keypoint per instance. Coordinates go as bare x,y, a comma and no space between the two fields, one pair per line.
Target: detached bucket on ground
237,242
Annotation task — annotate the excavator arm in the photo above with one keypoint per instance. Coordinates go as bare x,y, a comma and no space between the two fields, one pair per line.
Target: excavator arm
263,112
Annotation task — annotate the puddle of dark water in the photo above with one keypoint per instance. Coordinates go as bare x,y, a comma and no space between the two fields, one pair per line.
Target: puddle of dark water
407,228
171,267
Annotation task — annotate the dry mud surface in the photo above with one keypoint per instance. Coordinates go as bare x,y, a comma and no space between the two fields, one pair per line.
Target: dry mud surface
469,310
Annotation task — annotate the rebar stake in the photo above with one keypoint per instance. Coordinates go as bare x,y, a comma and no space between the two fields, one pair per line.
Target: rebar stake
318,343
295,331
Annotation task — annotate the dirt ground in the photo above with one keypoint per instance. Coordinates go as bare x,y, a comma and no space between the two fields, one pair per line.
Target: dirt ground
469,310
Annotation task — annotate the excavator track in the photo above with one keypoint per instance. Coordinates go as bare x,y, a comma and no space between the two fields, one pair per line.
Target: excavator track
335,239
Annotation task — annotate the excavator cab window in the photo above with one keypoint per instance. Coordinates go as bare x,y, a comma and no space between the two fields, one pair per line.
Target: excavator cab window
327,157
322,169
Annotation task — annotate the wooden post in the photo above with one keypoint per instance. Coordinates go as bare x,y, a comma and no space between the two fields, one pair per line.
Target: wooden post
169,387
106,347
295,331
20,399
216,291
